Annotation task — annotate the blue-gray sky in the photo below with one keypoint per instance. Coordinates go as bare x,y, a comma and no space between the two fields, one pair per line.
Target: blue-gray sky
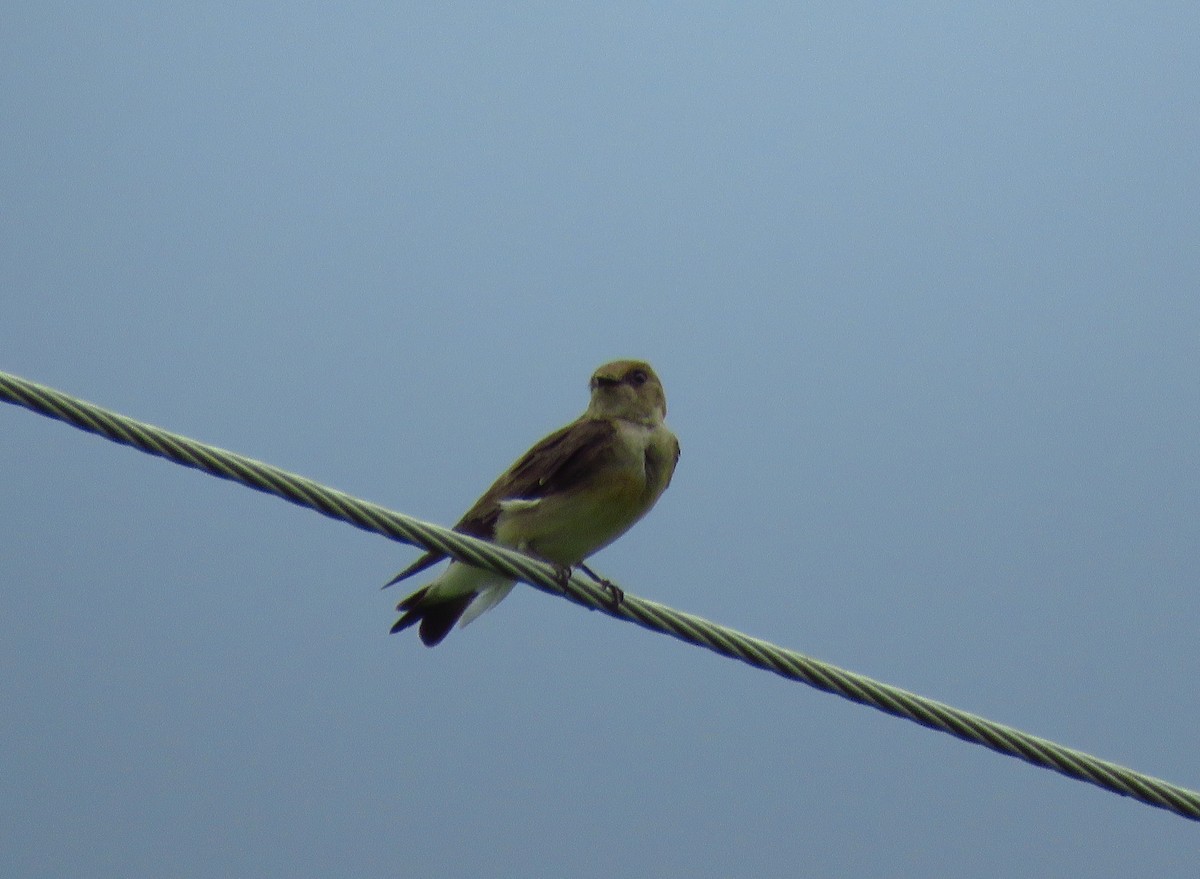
921,282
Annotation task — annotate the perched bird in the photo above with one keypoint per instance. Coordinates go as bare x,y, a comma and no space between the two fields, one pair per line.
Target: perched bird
573,493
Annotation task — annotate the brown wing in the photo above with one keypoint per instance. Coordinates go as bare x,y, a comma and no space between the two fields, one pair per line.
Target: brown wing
557,463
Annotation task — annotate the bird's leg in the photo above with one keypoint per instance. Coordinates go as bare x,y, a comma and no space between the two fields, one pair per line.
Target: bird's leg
618,594
562,573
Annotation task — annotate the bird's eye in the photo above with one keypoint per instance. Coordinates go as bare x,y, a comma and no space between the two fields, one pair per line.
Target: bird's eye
638,377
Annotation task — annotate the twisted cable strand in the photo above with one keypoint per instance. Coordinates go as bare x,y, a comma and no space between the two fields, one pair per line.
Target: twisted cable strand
648,614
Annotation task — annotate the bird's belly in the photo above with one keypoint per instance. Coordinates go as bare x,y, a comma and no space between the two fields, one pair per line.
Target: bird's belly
567,528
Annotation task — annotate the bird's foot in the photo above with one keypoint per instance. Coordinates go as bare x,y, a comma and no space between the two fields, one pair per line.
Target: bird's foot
616,593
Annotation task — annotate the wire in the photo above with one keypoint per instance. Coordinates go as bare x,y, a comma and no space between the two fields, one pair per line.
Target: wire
651,615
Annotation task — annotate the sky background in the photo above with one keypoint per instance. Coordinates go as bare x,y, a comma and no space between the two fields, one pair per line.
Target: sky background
922,283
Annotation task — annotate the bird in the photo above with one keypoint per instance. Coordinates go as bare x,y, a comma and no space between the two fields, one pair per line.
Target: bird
572,494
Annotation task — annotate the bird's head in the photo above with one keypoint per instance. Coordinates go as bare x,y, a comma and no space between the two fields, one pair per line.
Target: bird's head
627,390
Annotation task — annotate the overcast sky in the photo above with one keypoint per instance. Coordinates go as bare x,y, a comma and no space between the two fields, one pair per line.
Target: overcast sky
922,282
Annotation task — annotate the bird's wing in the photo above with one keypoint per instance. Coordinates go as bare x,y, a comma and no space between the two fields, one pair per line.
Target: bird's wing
561,461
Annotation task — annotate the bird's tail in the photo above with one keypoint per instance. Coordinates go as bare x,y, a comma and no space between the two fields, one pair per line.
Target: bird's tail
437,616
461,593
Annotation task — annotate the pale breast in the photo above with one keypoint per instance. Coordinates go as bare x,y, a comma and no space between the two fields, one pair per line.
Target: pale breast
568,527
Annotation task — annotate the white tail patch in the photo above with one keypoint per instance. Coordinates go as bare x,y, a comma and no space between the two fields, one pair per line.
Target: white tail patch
486,599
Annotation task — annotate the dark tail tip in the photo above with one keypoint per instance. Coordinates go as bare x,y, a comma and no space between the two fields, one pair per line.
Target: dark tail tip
436,619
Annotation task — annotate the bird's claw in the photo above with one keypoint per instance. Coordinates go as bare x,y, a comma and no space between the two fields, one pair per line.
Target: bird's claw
562,573
617,593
